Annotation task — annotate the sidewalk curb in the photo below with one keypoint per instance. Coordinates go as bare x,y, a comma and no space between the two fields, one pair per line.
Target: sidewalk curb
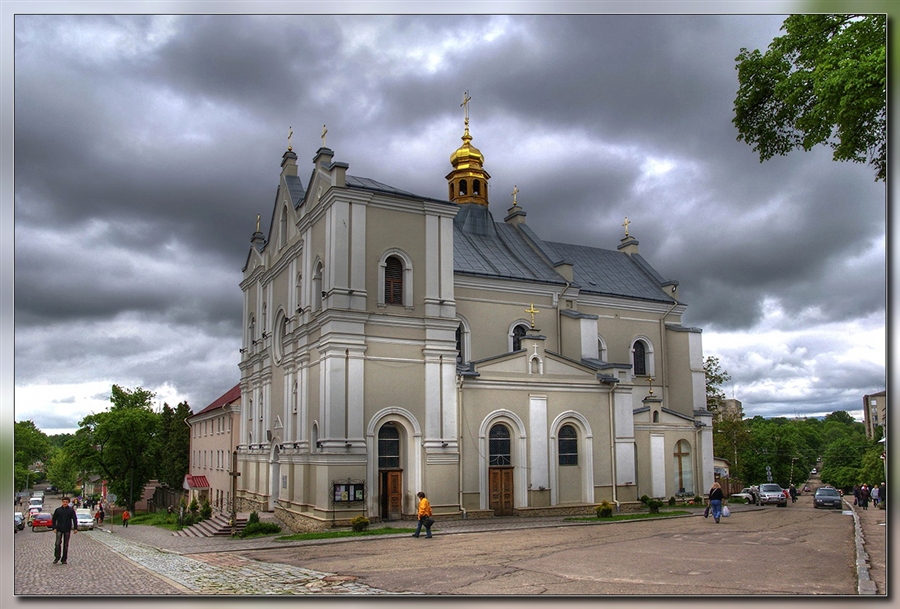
865,585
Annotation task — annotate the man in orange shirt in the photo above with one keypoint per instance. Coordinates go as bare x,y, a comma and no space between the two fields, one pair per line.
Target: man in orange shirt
424,513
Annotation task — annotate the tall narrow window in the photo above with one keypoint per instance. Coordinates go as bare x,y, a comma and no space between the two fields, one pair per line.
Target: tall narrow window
568,445
388,447
463,190
517,334
459,347
393,281
640,358
499,444
476,187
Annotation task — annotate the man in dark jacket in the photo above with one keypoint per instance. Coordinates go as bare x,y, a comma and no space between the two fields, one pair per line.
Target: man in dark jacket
64,522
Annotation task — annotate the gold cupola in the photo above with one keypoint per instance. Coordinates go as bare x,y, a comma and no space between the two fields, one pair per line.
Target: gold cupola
468,182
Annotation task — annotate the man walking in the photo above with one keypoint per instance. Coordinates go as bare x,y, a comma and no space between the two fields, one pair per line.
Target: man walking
64,522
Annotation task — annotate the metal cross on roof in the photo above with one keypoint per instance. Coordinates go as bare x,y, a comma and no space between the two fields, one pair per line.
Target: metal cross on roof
532,310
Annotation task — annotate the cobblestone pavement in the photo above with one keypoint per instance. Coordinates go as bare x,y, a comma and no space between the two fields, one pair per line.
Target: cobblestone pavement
148,560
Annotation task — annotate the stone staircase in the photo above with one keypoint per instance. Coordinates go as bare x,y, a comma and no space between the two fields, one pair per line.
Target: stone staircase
217,526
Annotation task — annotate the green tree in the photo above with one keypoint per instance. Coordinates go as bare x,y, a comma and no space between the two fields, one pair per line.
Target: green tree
121,444
823,82
31,448
174,444
62,470
715,378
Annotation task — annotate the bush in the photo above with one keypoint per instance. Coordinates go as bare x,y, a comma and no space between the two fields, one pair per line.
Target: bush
645,499
654,505
698,500
360,523
604,510
260,528
206,511
194,507
254,518
671,501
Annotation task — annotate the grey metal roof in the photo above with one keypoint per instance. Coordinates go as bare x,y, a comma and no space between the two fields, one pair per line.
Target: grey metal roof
611,272
370,184
295,189
497,249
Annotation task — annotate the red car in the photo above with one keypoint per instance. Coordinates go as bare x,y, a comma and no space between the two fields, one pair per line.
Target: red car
42,521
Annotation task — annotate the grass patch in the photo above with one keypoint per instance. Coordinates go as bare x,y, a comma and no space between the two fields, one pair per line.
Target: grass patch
338,534
630,516
155,519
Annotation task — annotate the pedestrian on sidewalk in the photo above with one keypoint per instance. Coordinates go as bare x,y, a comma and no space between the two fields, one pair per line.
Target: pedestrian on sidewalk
715,500
424,513
864,496
875,495
126,516
100,515
64,522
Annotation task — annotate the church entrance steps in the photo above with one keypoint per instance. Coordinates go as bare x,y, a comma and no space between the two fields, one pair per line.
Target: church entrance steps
217,526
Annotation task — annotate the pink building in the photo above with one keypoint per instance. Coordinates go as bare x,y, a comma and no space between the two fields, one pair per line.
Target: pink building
214,436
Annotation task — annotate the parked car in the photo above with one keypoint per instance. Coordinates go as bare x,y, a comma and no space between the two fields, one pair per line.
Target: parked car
827,497
32,512
85,519
36,502
746,493
42,521
771,493
20,522
814,471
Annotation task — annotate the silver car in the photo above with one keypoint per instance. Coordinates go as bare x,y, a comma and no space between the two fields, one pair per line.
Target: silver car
771,494
85,519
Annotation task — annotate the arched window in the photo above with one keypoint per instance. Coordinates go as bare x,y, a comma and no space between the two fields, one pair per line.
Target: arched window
463,190
476,187
282,228
518,333
499,445
639,358
601,349
568,445
317,286
451,191
463,342
299,293
459,344
388,447
656,416
393,281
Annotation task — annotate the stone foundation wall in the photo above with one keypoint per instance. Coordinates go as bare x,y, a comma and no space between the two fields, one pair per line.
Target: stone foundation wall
300,523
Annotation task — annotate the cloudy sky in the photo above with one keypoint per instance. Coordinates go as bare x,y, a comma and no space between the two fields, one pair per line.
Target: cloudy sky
145,146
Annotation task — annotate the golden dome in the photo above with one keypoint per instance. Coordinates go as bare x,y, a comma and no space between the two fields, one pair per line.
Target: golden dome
467,153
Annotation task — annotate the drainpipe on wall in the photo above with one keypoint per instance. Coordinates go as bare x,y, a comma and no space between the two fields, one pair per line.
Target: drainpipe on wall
459,442
665,352
612,448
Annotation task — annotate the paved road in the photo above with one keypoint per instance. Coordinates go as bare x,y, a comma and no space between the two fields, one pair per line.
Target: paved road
794,550
770,551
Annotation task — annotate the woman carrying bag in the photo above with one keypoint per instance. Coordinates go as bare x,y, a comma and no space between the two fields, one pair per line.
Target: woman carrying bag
424,513
715,500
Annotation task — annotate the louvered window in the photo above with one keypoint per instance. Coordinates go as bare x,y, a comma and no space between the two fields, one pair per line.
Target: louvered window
393,281
388,447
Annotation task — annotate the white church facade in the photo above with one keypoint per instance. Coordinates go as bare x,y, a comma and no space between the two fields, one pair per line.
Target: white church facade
395,343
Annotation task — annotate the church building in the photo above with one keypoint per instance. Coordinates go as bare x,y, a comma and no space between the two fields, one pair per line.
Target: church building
396,343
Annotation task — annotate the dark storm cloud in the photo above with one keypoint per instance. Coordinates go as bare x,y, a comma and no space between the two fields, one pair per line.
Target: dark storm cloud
146,145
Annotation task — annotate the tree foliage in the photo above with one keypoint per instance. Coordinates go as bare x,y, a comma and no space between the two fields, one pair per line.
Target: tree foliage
715,378
174,444
121,444
62,470
30,448
823,82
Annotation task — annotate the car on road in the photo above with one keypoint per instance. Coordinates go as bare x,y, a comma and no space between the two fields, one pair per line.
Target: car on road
32,512
20,522
746,493
85,519
770,494
37,502
42,521
827,497
814,471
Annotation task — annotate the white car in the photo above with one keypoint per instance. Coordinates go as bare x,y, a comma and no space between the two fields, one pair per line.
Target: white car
85,519
746,494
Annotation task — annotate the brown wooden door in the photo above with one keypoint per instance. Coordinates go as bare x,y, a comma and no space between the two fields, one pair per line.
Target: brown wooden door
501,490
391,494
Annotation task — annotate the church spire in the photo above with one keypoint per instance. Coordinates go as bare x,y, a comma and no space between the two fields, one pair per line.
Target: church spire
468,182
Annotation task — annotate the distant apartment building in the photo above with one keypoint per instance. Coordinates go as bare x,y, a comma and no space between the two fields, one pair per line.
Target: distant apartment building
214,435
874,412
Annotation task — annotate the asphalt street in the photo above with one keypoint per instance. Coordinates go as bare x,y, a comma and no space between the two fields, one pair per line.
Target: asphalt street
795,550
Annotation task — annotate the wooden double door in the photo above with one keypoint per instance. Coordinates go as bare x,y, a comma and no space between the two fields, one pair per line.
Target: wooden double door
500,488
391,493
